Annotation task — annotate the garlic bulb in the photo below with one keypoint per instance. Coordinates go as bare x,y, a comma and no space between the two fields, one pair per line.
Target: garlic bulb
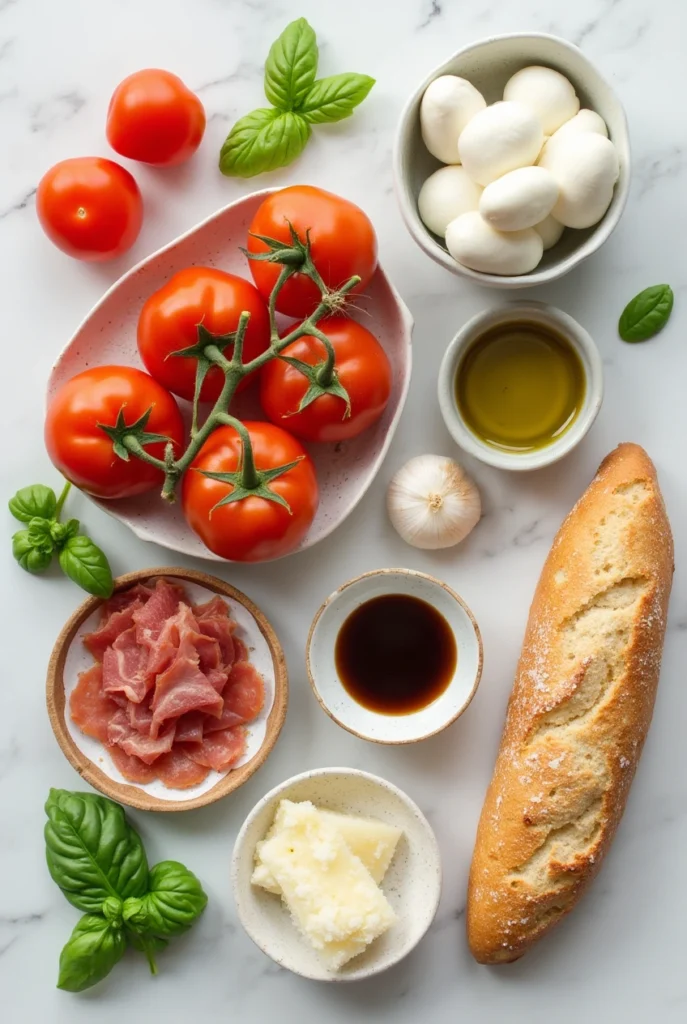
432,503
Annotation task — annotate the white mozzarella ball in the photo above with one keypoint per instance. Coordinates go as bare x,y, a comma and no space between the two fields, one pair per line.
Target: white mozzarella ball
586,167
447,105
446,194
501,138
479,246
547,93
520,199
550,231
584,121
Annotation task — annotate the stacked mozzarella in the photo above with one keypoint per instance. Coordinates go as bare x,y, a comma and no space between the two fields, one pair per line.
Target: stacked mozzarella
519,171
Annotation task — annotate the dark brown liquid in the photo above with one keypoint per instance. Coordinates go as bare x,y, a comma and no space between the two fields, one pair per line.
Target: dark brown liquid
395,654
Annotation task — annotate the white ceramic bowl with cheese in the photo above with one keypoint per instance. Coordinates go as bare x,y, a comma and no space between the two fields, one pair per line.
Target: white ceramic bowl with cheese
412,884
488,64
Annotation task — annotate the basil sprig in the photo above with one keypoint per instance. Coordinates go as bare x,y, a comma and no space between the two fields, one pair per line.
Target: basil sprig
272,137
97,859
646,314
45,536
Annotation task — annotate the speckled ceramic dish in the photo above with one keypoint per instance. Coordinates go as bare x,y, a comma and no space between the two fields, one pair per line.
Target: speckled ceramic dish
108,335
90,757
372,725
412,884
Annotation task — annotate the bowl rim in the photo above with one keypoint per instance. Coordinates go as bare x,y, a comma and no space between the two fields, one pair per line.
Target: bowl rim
408,324
381,783
431,246
434,581
130,793
581,341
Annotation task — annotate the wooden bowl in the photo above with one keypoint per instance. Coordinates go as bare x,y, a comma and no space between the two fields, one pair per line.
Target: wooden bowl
267,655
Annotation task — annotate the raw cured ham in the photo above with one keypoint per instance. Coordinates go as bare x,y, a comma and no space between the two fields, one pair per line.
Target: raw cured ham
172,688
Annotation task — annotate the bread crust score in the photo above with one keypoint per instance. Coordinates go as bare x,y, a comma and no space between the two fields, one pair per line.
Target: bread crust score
579,712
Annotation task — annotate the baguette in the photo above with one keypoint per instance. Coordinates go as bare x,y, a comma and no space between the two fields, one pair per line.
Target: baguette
579,712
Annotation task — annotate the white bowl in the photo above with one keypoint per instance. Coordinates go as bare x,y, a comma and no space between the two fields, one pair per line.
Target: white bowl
108,335
549,316
412,884
372,725
488,64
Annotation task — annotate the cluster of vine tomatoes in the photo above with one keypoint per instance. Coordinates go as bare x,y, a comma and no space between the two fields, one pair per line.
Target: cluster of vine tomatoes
342,244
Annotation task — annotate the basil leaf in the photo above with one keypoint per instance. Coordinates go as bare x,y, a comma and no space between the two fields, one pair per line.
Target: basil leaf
646,314
40,534
37,500
291,66
33,559
92,851
86,565
335,97
61,532
94,948
174,901
262,141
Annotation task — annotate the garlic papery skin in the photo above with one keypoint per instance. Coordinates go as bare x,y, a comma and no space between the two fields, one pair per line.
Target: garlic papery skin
433,503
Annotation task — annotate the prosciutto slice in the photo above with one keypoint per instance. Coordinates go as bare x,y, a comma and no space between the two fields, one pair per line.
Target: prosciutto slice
118,622
138,593
190,727
140,716
160,606
244,693
135,743
89,707
214,620
183,687
132,768
125,667
176,770
220,750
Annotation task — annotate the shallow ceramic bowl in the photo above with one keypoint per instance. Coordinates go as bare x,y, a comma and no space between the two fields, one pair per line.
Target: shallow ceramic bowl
108,335
92,760
488,64
561,323
371,725
412,884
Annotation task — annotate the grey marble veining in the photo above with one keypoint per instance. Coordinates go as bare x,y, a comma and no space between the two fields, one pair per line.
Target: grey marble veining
620,956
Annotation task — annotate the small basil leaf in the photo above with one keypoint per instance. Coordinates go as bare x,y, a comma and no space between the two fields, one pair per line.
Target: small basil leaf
646,314
33,559
174,900
92,851
112,910
335,97
40,534
95,946
291,66
86,565
262,141
33,501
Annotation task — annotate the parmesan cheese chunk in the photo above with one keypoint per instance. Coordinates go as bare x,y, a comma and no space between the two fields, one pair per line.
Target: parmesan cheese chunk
333,899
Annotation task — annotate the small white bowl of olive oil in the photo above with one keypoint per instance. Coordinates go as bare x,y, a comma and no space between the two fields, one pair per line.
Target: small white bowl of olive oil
520,385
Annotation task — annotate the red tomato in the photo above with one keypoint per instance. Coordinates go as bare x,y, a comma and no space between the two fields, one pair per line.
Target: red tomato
362,368
169,319
343,243
83,452
253,529
90,207
153,117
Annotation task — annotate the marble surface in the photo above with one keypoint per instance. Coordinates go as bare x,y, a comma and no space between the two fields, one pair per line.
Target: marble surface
620,957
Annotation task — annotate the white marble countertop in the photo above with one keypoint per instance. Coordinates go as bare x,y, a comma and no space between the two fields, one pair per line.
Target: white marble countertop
620,956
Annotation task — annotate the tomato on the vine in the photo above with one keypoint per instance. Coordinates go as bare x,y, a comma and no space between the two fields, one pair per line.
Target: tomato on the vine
170,317
155,118
254,528
84,453
362,368
342,244
91,208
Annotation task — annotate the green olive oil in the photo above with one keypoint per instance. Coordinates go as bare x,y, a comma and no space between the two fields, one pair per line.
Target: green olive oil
520,386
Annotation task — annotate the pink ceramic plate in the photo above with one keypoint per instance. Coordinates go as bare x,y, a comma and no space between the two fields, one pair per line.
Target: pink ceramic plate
108,335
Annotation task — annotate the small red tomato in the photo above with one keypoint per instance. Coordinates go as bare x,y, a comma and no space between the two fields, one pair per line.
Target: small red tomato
342,244
170,317
155,118
253,529
83,452
362,368
90,207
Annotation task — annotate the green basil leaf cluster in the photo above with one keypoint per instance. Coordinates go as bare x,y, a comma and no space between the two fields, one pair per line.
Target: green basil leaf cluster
34,547
272,137
98,861
646,314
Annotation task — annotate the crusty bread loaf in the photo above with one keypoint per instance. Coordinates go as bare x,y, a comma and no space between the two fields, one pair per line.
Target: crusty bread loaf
579,711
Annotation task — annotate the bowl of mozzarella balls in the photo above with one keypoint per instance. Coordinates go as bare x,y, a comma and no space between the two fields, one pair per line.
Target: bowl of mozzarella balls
512,161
